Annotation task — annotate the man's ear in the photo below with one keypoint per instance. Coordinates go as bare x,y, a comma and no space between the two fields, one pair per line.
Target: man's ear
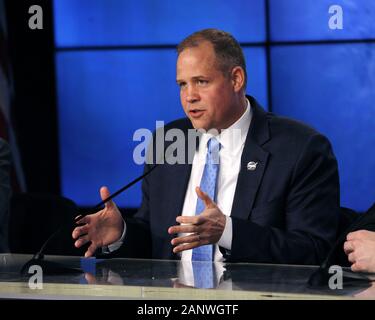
238,78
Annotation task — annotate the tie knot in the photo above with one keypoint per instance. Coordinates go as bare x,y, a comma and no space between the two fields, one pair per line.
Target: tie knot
213,146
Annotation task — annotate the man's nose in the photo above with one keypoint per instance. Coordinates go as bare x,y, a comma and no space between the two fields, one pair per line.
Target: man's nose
192,94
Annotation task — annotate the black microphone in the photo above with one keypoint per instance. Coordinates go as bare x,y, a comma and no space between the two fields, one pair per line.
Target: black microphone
50,267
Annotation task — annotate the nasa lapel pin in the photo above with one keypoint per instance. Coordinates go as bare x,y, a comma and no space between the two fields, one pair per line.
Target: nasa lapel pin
251,166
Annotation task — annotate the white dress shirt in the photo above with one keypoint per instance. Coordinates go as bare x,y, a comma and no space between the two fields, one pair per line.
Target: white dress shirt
232,142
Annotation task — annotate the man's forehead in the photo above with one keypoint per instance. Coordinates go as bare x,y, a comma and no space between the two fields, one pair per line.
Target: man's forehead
199,70
195,62
204,48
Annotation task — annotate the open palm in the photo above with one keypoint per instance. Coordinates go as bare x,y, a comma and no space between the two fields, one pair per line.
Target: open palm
101,228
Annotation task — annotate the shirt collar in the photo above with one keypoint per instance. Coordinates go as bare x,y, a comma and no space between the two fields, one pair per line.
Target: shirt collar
232,138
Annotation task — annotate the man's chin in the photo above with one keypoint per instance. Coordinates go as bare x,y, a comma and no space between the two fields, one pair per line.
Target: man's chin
199,125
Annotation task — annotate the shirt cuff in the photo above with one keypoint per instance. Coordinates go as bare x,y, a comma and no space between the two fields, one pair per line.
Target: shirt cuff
116,245
226,238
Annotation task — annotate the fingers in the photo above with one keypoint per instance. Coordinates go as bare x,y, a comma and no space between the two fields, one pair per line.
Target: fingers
353,235
105,194
84,220
79,231
77,218
183,229
348,247
186,239
188,224
81,241
189,242
359,263
361,235
196,220
91,250
357,267
186,246
204,197
351,257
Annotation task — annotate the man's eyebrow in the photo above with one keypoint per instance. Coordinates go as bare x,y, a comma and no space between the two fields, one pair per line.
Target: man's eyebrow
193,78
199,77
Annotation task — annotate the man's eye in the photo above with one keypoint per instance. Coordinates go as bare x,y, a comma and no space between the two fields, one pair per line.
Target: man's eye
182,85
202,82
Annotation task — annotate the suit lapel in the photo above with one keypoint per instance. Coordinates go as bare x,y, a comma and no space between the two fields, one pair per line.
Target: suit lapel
181,174
248,181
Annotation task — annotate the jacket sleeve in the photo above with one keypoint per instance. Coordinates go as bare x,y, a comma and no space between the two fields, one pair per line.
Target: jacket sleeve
311,214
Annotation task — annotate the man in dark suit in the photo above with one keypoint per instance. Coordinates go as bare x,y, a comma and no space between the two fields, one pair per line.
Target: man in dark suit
4,194
272,197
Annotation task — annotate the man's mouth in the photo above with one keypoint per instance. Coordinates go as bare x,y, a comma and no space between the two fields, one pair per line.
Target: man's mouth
196,113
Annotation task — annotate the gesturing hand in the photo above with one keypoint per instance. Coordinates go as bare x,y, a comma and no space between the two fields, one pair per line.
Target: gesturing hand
101,228
205,228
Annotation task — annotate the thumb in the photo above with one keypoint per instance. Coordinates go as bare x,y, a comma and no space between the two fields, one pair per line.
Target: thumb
209,203
105,194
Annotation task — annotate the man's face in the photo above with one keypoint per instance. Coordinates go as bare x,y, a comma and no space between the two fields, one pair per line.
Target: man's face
207,96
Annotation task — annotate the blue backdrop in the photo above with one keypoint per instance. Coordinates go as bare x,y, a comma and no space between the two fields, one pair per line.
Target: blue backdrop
115,62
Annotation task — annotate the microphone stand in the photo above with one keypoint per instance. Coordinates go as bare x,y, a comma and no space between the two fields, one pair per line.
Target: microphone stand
50,267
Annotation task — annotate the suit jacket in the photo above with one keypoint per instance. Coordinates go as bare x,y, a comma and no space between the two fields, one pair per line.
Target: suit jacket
285,211
4,194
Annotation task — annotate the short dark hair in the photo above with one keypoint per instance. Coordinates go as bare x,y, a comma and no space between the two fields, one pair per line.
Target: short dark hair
228,51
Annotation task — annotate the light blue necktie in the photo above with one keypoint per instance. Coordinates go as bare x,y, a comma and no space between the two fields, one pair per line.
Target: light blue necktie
203,273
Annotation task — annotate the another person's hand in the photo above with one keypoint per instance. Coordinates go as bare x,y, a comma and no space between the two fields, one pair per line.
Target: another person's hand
108,277
101,228
205,228
368,293
177,284
360,248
